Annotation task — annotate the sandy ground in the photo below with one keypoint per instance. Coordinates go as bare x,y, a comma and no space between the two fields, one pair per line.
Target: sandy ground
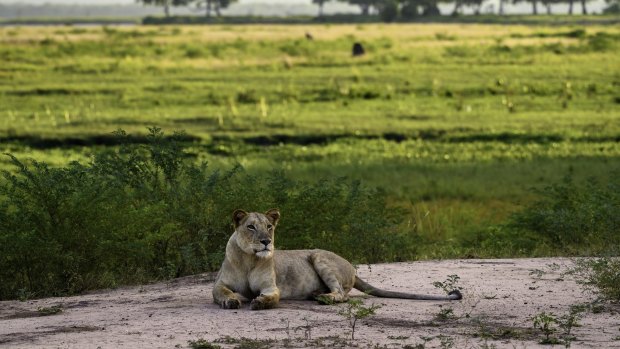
500,299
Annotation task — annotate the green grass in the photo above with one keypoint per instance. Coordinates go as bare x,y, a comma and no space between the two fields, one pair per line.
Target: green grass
456,124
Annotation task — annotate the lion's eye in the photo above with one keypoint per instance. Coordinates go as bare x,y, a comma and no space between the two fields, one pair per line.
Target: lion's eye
269,226
251,227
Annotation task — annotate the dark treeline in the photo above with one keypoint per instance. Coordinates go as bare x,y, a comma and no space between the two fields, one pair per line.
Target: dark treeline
390,10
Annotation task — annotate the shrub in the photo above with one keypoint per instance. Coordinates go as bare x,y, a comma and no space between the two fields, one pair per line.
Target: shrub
143,212
600,275
572,216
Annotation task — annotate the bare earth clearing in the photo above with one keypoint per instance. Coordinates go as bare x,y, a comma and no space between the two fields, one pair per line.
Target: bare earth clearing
500,299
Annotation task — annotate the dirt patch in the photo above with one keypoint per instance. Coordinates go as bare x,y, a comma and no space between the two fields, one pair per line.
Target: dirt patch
501,297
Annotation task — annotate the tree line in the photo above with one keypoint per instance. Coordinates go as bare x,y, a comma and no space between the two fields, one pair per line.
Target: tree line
209,7
388,10
408,9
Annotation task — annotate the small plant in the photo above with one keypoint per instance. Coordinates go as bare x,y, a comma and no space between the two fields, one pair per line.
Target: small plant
355,310
202,344
307,329
567,322
53,310
546,323
287,330
446,342
537,273
445,313
246,343
449,285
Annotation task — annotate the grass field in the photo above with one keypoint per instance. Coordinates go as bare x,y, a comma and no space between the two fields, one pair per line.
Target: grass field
455,122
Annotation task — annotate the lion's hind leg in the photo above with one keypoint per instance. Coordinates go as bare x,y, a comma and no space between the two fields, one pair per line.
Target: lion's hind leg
327,271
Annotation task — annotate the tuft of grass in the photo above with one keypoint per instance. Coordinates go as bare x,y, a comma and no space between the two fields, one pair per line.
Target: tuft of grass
546,323
202,344
53,310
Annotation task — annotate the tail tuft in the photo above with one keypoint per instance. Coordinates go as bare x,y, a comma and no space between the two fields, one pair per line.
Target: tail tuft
455,295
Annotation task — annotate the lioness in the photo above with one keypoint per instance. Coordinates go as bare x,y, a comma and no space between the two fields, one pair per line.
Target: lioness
253,270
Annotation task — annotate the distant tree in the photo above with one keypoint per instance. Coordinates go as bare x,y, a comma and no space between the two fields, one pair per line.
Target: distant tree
430,7
320,3
502,6
409,9
534,5
459,4
476,5
548,3
222,4
388,10
584,9
210,6
365,5
457,7
166,4
613,7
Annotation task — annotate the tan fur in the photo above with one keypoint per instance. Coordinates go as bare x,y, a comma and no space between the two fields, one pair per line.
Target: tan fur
254,270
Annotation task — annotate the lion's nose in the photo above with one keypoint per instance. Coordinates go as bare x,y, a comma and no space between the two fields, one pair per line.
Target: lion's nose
265,242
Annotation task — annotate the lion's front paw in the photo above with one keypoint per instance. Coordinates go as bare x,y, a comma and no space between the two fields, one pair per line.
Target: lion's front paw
260,304
231,304
331,298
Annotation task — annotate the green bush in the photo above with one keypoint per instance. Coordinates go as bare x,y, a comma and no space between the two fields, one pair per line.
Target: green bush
572,217
143,212
600,275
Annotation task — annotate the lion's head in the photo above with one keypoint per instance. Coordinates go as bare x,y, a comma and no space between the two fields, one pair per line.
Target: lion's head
255,231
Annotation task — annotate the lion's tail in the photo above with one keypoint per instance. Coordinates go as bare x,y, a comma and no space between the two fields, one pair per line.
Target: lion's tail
373,291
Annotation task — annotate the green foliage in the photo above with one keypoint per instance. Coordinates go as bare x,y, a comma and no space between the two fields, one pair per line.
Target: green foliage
570,215
449,285
143,212
550,324
546,323
47,311
599,275
202,344
246,343
354,310
445,314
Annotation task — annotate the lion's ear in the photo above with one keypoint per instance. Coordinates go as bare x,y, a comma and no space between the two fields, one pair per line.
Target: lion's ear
273,215
238,215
